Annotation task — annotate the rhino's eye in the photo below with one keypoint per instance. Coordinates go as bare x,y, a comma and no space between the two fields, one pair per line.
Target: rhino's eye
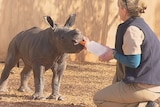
75,42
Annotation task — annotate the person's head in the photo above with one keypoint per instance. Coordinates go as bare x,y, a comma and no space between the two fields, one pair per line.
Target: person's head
131,8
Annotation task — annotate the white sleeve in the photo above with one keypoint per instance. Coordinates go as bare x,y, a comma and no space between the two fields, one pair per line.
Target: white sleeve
132,41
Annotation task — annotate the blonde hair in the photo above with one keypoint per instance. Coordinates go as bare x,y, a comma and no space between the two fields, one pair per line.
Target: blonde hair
134,7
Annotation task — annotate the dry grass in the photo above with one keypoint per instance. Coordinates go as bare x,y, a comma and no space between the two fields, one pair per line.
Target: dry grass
79,83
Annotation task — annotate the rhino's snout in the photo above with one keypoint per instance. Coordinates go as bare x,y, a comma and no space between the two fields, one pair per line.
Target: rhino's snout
75,42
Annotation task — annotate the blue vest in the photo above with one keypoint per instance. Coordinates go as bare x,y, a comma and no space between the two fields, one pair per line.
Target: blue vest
148,71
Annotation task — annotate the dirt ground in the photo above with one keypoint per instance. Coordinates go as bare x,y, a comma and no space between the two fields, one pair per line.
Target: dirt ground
79,84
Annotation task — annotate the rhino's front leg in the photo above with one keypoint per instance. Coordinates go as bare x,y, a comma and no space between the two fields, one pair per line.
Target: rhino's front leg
56,81
39,82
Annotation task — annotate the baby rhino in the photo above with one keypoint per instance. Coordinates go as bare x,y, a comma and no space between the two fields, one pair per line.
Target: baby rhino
41,50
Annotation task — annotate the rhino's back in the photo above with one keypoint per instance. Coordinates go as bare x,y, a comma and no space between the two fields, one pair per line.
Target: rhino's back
26,35
32,43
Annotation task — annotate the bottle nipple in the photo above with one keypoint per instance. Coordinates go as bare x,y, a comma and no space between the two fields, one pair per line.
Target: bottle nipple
83,42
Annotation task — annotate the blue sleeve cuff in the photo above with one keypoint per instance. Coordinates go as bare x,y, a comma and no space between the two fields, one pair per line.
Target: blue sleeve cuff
132,61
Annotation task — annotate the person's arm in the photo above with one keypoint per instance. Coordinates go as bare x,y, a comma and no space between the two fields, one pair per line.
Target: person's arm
132,61
132,41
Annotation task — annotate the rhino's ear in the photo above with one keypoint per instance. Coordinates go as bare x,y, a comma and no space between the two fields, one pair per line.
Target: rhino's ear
49,20
70,21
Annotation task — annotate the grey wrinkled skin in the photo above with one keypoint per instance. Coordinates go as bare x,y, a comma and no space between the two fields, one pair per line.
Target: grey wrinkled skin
41,50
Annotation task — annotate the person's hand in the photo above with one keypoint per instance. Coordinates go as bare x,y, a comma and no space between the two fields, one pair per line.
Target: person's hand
107,56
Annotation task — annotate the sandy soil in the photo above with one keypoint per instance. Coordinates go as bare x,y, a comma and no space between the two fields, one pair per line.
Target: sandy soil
79,83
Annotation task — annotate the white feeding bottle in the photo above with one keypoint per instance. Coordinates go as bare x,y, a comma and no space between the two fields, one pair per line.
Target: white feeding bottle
95,47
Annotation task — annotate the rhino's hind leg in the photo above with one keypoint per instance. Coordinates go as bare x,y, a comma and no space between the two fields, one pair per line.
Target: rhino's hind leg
9,64
25,74
4,79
